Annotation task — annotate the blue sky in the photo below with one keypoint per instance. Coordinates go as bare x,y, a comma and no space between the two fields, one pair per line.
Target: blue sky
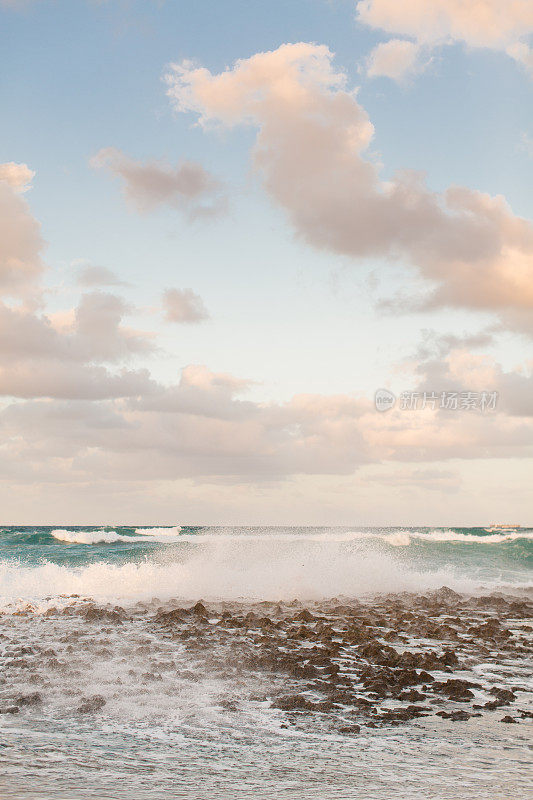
290,318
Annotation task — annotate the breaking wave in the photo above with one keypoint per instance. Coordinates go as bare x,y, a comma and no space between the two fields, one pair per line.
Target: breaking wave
110,537
243,566
404,538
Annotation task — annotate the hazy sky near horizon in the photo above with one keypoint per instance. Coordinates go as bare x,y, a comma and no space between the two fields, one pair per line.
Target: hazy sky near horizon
224,226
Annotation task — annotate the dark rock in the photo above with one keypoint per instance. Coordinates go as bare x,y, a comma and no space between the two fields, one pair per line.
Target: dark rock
199,610
305,616
509,720
455,689
296,702
350,729
504,695
412,695
455,716
29,699
91,704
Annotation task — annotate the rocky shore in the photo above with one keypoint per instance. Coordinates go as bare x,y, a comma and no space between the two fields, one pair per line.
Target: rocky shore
345,664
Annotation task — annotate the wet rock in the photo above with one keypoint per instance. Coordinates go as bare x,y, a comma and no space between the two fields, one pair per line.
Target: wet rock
350,729
177,615
503,695
399,715
412,695
455,716
305,616
29,699
455,688
91,704
446,595
199,610
298,703
492,629
94,614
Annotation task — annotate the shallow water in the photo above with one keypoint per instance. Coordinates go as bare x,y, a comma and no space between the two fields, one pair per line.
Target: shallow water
190,704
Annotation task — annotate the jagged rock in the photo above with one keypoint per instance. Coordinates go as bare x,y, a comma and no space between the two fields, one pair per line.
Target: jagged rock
305,616
91,704
503,695
29,699
350,729
455,716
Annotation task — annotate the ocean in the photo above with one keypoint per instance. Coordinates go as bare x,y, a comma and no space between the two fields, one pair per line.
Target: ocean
288,663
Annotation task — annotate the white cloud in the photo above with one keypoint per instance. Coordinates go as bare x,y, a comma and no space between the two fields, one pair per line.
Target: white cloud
398,59
18,176
501,26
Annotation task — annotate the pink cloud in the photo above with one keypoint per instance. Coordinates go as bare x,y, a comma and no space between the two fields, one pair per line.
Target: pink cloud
310,150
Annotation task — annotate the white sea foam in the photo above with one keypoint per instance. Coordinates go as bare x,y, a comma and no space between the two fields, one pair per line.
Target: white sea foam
404,538
110,537
225,567
398,538
174,531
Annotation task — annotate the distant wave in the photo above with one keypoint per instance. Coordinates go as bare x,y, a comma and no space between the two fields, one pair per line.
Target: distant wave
159,531
400,538
110,537
404,538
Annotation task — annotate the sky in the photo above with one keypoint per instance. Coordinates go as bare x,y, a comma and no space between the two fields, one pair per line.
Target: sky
225,226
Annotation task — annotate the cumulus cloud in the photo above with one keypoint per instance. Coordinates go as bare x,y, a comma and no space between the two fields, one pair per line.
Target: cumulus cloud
398,59
187,186
502,26
183,305
310,150
18,176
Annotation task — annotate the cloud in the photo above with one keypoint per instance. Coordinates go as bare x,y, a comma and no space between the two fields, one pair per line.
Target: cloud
310,150
446,363
435,480
183,305
40,360
18,176
501,26
55,379
21,243
91,276
202,393
201,429
398,59
147,186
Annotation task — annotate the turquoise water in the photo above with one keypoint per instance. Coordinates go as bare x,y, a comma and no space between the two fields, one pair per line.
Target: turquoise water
189,722
263,563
